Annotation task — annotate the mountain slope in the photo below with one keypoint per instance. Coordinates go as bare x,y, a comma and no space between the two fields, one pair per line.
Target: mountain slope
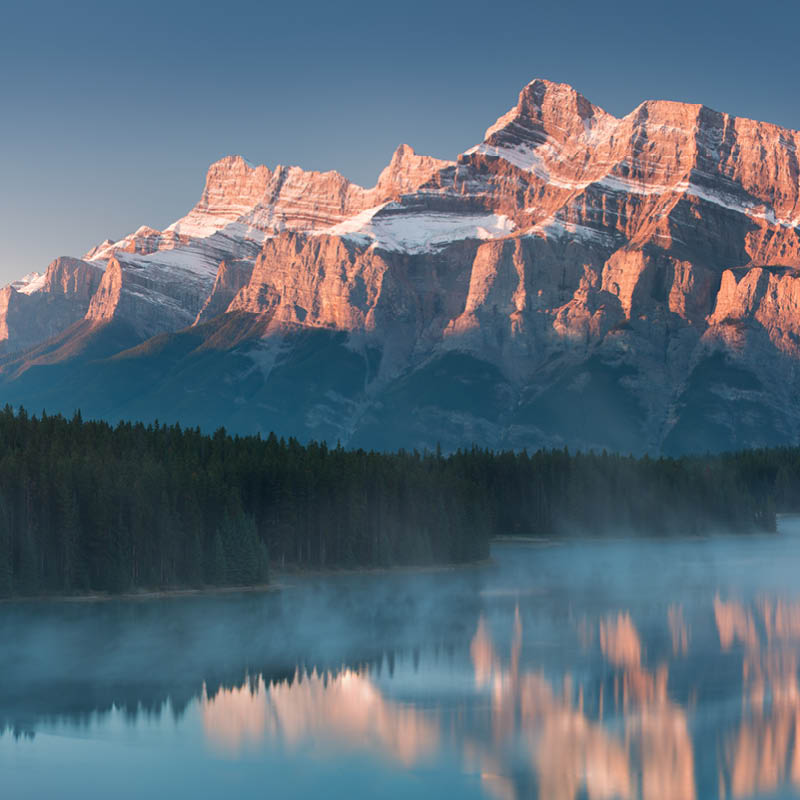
575,278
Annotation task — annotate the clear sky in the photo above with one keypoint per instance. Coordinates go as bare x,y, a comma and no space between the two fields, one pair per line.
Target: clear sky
110,111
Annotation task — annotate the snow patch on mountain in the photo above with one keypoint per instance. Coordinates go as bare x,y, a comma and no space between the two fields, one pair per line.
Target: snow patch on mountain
560,229
191,259
200,225
522,156
390,227
30,283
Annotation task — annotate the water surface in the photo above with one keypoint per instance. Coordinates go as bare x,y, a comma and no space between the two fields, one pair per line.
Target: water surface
653,668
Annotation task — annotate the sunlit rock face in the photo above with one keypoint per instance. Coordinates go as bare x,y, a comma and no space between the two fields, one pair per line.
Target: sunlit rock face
39,306
575,278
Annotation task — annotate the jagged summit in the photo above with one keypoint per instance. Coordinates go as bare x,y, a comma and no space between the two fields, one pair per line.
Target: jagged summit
541,104
574,278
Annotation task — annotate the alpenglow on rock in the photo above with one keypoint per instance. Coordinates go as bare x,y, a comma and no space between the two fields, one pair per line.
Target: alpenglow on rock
574,279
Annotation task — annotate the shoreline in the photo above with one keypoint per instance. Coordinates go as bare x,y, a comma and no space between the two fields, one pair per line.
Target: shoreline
144,594
330,572
278,584
284,579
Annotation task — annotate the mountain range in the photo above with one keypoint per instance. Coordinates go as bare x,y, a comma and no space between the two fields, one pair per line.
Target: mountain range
574,279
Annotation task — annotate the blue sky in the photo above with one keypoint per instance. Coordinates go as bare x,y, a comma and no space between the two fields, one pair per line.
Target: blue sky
110,112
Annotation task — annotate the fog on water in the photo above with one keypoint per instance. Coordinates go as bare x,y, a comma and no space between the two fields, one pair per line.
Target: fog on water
615,667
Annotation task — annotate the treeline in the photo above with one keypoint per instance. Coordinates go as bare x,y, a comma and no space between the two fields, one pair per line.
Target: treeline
555,493
85,506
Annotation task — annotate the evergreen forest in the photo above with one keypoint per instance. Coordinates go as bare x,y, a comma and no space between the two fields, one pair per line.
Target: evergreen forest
90,507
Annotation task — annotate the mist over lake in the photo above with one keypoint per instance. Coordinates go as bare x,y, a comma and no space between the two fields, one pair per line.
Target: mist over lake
617,667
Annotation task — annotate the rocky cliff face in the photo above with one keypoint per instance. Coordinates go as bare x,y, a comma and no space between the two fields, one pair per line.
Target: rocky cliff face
40,306
575,278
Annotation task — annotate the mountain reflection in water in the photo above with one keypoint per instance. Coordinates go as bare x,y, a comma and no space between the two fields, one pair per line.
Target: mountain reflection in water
342,711
645,750
764,754
529,678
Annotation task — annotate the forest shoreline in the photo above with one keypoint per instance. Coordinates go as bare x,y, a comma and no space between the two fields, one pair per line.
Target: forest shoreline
90,510
283,577
144,595
282,582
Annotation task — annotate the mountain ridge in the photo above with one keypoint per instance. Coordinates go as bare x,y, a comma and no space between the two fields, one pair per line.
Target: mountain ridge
575,278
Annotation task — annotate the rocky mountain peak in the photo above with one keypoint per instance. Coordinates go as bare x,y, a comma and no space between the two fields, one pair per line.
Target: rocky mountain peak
406,172
232,188
542,98
72,276
546,109
631,283
98,249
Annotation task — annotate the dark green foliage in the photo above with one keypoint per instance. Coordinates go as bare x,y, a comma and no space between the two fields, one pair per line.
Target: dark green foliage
6,574
217,569
245,557
85,506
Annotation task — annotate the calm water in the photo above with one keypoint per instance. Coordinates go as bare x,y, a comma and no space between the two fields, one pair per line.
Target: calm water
655,669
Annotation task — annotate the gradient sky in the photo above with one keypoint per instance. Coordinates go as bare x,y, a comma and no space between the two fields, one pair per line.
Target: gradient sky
110,112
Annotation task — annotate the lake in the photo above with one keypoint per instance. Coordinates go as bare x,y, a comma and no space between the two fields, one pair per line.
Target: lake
664,669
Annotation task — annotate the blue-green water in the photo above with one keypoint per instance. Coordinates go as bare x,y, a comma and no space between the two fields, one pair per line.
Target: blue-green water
662,669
